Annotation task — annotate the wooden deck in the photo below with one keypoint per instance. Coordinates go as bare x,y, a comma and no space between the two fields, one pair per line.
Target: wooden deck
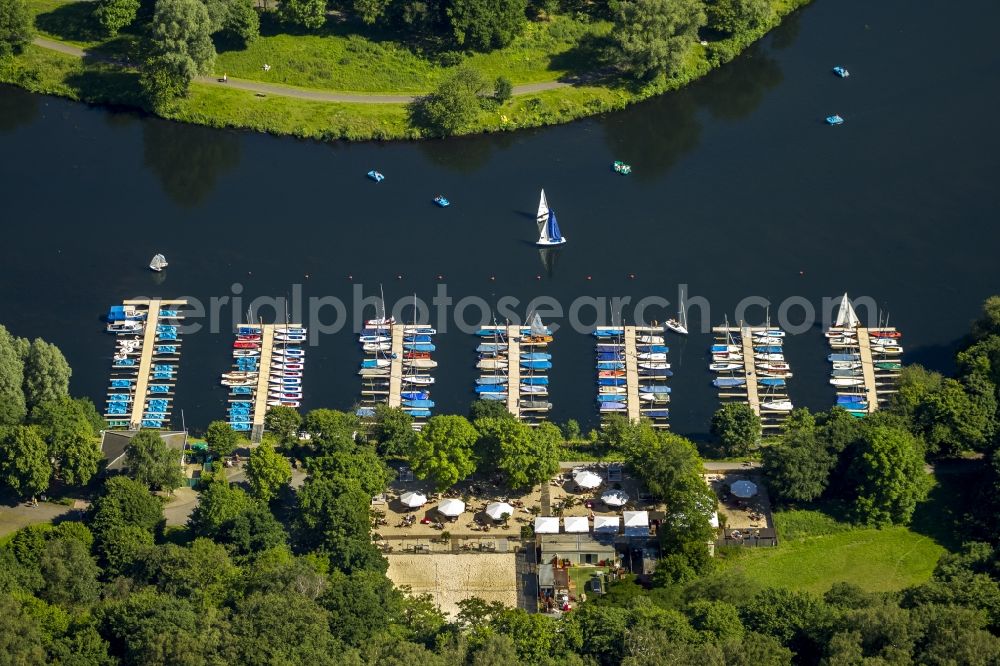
148,343
396,366
631,375
514,370
868,368
263,379
749,369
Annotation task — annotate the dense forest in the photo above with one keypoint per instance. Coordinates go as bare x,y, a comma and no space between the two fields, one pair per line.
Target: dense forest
264,574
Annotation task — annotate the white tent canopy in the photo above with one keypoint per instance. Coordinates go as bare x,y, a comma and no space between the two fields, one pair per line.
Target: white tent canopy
496,510
546,525
606,524
451,507
614,497
576,524
714,519
413,499
743,488
636,523
587,479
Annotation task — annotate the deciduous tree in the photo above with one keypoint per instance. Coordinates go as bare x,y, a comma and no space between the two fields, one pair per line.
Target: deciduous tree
152,462
16,28
12,406
653,36
484,25
222,439
738,16
268,472
305,13
113,15
68,428
24,461
393,430
284,422
887,468
737,428
455,103
443,451
46,374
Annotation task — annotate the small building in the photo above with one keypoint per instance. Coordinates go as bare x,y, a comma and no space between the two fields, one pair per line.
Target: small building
576,548
576,524
115,443
546,525
636,523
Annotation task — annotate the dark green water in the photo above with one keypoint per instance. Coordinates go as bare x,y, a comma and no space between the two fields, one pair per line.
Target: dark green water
738,190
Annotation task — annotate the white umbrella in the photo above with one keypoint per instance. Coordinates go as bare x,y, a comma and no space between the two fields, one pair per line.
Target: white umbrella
587,479
412,499
496,510
744,488
614,497
451,507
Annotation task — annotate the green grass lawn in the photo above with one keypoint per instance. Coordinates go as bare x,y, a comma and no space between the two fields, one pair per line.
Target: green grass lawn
816,551
340,59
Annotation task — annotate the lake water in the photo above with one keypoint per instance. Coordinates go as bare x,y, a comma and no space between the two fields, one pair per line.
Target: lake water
738,190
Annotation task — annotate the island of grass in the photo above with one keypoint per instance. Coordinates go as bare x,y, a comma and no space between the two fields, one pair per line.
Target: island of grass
329,74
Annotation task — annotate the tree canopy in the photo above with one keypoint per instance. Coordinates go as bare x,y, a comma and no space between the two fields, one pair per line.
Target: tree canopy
268,472
16,27
443,451
737,428
652,37
152,462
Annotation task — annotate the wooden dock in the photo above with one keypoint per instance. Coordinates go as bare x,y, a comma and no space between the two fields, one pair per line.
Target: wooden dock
750,392
148,351
867,368
514,370
396,366
263,379
750,369
631,375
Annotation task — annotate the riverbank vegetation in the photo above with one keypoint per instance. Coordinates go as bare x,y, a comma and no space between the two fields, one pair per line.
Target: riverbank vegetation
561,59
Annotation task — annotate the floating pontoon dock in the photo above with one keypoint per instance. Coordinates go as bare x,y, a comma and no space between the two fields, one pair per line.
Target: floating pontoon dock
396,367
624,385
761,387
514,370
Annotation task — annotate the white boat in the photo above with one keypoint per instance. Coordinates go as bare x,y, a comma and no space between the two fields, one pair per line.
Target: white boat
847,318
381,321
548,227
654,366
889,350
422,363
649,339
769,357
374,338
377,346
374,372
678,325
492,364
847,381
770,333
419,329
784,374
652,356
767,340
284,381
724,367
537,390
158,263
846,365
239,382
727,356
778,406
773,367
126,326
377,363
246,352
422,380
838,333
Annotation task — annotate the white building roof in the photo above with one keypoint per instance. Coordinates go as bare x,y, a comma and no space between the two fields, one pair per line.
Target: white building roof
546,525
576,524
607,524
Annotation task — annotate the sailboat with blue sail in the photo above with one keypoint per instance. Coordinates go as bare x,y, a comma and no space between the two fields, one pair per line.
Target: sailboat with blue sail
548,227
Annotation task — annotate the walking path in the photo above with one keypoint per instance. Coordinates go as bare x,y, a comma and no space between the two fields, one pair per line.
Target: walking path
290,91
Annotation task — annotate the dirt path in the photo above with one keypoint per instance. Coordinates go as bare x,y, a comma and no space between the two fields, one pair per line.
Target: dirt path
299,93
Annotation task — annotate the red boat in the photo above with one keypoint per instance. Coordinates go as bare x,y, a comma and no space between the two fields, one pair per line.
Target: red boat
248,337
885,334
414,354
246,344
604,374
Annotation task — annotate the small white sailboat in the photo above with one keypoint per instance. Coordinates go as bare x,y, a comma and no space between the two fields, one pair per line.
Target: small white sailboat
678,325
548,227
777,406
158,263
847,318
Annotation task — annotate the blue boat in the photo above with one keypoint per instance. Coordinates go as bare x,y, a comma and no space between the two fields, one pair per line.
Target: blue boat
419,346
536,356
536,365
722,349
417,338
613,407
843,357
608,397
841,72
608,332
652,349
441,201
657,413
610,365
654,388
498,379
417,412
608,356
771,381
240,390
834,120
655,373
425,404
491,388
365,411
728,382
611,381
535,381
414,395
847,399
769,349
376,176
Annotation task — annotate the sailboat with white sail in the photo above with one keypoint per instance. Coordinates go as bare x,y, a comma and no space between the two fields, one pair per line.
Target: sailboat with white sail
158,263
679,325
548,227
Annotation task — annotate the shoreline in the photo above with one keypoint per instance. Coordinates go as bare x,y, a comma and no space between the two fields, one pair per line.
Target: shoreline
312,114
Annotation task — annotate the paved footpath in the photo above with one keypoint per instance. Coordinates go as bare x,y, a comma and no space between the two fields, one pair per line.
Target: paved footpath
279,90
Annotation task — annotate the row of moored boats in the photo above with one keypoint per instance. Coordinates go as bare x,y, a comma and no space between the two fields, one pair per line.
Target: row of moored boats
766,373
615,354
514,362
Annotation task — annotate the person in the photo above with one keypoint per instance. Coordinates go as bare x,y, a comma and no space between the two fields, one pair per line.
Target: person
267,68
225,77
